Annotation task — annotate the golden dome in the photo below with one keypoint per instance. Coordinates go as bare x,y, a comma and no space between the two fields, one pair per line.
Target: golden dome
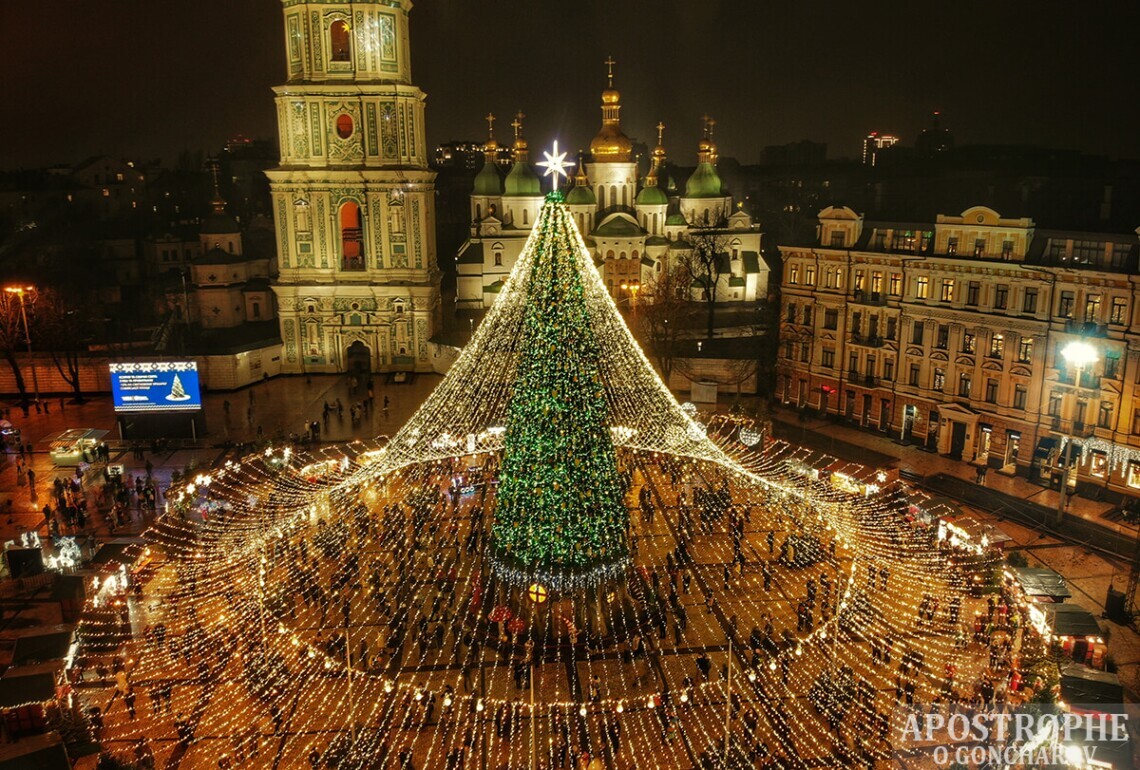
611,96
611,144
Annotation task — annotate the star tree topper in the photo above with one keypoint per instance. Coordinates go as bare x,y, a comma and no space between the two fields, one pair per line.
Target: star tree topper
555,164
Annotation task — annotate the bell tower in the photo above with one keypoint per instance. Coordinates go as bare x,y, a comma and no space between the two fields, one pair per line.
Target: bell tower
353,196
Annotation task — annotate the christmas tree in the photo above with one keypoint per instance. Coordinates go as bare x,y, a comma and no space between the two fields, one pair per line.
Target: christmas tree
560,516
177,392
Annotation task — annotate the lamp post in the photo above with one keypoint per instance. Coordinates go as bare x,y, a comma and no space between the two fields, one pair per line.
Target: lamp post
632,287
20,291
1078,354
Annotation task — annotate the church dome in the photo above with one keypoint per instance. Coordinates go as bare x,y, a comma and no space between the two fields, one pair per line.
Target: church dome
704,182
652,196
581,195
611,96
522,181
488,181
611,145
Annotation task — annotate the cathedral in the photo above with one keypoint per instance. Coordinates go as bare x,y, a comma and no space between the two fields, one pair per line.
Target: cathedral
637,229
353,197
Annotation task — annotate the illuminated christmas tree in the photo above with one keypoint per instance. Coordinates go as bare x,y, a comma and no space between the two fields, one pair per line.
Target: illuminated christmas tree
561,513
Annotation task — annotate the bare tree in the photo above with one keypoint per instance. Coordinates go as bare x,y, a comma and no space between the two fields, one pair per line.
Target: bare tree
12,339
662,314
704,265
64,330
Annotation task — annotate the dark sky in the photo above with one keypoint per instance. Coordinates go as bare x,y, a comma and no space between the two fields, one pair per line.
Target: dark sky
146,79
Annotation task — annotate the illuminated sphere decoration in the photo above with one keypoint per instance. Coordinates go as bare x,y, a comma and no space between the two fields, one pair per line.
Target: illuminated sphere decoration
551,546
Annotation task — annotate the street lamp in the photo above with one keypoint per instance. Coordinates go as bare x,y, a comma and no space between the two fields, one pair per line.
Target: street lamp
1078,354
20,291
632,287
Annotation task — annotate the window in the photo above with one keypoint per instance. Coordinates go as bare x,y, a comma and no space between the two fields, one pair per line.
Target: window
892,326
916,333
896,284
351,237
827,358
805,352
947,289
860,277
1088,252
1029,304
880,241
853,364
1112,365
791,312
972,292
876,284
1065,309
889,369
943,340
1134,474
788,350
997,346
1120,252
952,245
837,239
1136,422
1006,249
991,390
1119,310
903,241
344,125
256,312
794,274
939,380
1104,416
1025,350
340,41
964,384
1019,394
807,315
830,318
809,275
1055,404
915,373
856,323
831,279
1098,466
1092,308
927,237
922,287
1001,296
979,247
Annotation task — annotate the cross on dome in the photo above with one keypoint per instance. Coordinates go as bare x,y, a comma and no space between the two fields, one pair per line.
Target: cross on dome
609,62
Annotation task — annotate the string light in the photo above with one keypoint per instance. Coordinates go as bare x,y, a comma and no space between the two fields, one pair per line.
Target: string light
398,572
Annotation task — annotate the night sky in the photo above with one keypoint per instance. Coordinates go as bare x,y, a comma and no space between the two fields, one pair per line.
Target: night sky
147,79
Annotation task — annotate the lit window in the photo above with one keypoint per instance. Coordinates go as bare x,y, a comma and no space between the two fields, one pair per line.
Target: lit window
922,287
340,42
947,289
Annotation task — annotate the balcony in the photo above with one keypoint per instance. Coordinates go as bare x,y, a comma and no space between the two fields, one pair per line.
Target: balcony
352,264
1074,428
870,380
872,298
1089,380
867,341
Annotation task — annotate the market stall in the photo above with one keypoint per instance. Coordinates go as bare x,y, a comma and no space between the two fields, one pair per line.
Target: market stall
1074,629
1042,585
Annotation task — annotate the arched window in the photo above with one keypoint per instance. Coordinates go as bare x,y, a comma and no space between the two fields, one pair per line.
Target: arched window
478,212
351,237
624,195
622,255
654,223
613,195
635,255
498,250
340,41
301,215
526,218
601,197
610,254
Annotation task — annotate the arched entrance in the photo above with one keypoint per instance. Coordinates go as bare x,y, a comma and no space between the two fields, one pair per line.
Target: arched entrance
358,358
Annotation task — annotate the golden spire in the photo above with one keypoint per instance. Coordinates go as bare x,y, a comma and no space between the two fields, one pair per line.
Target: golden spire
610,144
580,179
705,147
491,146
218,204
712,144
658,157
520,146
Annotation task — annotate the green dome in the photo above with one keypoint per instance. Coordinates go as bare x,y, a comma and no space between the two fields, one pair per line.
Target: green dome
522,181
704,183
675,219
488,181
581,195
652,196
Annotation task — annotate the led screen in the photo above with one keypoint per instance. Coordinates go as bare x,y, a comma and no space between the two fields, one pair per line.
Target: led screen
161,386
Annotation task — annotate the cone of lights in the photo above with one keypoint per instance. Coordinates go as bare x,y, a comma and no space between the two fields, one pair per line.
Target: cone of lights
435,597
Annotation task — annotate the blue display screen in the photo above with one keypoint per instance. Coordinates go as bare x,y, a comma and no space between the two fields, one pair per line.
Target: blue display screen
163,386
